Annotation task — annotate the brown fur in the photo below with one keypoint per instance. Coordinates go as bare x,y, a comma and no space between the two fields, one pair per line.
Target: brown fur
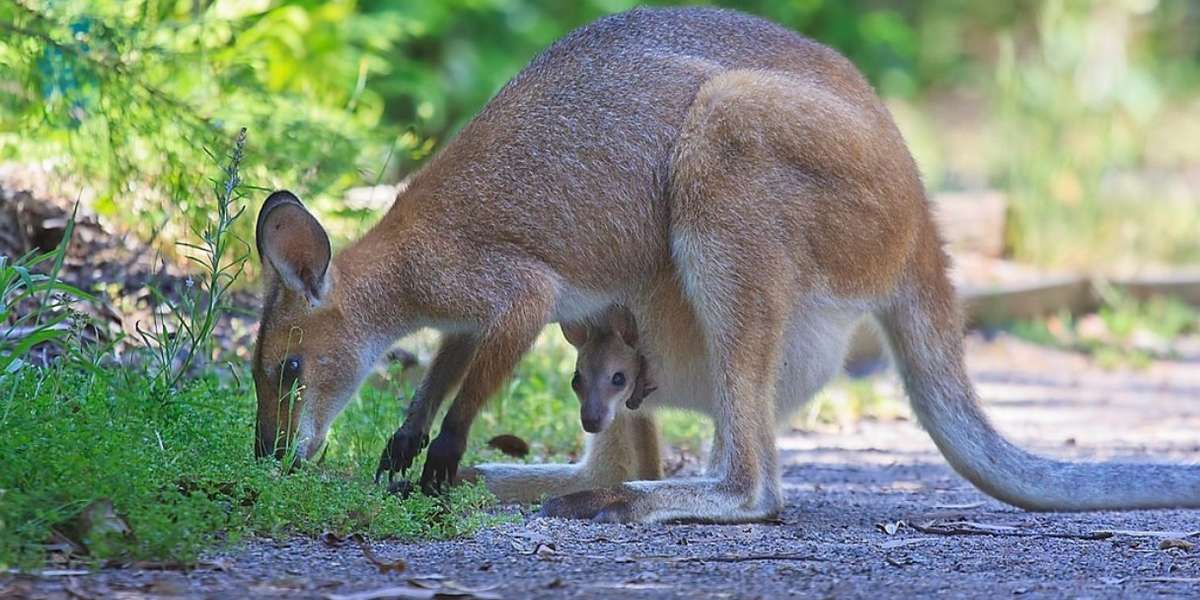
739,188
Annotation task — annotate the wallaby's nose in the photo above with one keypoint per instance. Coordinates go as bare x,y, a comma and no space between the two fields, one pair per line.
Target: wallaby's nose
593,415
264,442
262,447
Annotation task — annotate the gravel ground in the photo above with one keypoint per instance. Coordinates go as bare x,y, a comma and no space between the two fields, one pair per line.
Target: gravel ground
873,511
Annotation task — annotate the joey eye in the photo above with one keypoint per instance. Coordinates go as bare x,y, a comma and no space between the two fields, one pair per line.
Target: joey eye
618,379
575,382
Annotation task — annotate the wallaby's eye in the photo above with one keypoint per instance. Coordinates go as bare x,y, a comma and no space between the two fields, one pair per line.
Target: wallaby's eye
618,379
291,366
575,382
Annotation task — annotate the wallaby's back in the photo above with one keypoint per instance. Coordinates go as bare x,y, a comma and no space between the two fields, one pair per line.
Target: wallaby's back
581,140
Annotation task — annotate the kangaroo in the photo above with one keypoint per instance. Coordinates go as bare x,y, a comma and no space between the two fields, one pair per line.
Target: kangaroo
751,170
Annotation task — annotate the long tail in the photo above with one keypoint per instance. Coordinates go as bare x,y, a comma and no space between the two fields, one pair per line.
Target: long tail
923,327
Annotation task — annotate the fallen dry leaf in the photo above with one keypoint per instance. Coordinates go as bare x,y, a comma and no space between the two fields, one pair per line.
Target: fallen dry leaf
510,445
890,527
333,540
545,551
384,566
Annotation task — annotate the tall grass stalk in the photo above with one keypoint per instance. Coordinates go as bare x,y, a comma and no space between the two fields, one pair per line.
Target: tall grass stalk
185,330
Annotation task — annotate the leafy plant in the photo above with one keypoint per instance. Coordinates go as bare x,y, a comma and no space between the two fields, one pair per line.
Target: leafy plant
22,284
175,342
180,474
125,95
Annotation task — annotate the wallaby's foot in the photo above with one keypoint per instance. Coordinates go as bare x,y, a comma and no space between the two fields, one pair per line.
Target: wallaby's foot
591,504
398,455
441,461
696,501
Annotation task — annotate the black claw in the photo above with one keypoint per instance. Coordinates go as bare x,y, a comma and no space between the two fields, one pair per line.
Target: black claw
398,454
441,462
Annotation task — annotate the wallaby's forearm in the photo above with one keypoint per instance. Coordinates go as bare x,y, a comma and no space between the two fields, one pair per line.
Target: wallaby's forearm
447,370
501,346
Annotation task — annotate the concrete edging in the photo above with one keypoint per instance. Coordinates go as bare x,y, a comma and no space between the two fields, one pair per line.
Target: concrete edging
994,305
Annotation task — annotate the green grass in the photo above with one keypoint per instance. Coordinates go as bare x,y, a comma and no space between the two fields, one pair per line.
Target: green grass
181,473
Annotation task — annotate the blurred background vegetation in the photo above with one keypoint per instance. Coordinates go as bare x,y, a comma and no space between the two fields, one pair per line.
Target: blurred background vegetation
1085,113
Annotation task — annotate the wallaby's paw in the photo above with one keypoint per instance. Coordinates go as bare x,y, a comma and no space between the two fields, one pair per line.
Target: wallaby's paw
609,505
399,453
441,461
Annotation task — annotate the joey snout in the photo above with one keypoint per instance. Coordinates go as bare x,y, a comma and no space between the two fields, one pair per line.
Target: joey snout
595,414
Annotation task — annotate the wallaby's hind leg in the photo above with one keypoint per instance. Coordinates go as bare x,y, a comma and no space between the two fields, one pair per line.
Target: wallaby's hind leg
627,449
742,343
735,254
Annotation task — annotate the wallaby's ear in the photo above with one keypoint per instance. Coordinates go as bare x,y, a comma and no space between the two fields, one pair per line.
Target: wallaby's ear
624,325
576,333
294,244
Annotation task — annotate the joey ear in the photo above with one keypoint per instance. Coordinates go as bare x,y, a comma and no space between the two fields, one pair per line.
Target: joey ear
576,333
294,244
624,324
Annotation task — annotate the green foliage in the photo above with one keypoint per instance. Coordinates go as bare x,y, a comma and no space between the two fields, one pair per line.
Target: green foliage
126,95
45,322
181,474
851,400
452,56
1075,112
1124,332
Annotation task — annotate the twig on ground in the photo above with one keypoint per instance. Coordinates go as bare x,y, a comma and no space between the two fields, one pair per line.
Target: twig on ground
972,528
724,558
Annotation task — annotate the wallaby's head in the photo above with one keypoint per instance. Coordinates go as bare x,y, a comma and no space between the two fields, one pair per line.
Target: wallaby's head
609,370
306,363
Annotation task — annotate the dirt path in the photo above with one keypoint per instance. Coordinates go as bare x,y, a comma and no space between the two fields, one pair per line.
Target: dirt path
844,489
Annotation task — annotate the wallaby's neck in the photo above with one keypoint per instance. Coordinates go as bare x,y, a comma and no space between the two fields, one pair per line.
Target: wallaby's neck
375,276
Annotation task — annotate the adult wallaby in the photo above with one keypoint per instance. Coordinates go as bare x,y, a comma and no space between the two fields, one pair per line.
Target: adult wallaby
700,155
